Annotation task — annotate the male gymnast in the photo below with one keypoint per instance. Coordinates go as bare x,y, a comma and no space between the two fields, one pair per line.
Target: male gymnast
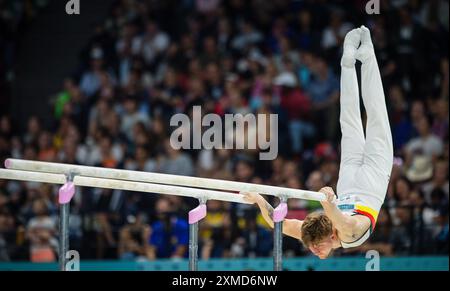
349,218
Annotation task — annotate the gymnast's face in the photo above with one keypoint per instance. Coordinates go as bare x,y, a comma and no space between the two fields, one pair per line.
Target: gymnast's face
323,249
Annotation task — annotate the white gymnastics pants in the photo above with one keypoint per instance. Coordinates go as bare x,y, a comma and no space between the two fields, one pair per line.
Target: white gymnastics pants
366,162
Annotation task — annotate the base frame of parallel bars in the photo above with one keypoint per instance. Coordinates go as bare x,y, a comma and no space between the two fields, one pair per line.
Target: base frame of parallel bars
65,195
195,215
279,214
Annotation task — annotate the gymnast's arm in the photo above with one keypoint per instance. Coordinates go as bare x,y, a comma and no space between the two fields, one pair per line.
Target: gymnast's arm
343,223
291,227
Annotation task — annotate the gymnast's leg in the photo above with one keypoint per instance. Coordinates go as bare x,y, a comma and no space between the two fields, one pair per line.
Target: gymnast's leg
378,150
352,142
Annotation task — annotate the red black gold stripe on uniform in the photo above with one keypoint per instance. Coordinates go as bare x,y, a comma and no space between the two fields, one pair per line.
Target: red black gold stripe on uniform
368,212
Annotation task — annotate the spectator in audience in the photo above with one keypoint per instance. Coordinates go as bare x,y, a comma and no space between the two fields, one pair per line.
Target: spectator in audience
131,116
176,163
324,93
41,232
402,190
426,144
46,151
133,241
333,35
439,181
258,239
442,237
6,232
210,229
90,80
440,124
315,182
33,130
402,128
298,107
153,43
169,234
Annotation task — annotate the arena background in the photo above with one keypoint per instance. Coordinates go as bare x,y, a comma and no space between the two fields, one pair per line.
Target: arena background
99,89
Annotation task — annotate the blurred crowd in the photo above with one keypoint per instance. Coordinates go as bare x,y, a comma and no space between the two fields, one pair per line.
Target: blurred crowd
152,59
